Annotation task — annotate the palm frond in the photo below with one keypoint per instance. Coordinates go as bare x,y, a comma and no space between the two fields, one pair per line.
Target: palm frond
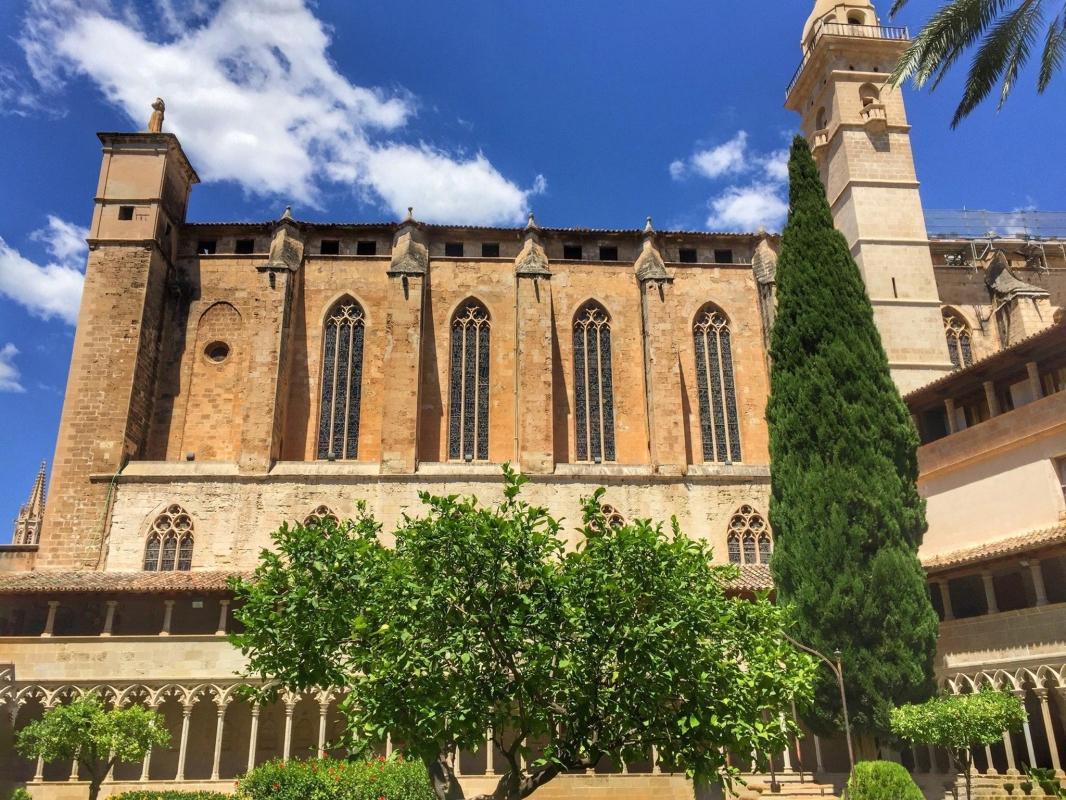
1051,60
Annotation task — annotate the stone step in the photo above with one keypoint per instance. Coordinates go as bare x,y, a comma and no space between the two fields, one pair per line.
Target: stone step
793,786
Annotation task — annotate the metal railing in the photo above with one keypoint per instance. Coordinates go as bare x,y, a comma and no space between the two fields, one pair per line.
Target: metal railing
850,31
982,224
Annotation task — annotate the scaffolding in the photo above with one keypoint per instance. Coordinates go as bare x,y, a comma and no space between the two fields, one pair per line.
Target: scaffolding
1027,233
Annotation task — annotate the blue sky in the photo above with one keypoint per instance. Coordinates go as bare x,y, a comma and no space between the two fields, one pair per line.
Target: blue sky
590,113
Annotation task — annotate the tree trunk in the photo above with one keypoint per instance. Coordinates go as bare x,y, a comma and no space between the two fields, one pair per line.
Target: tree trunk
514,786
441,777
94,788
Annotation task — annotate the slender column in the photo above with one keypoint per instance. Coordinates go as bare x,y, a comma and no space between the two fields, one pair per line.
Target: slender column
991,768
1037,574
253,735
1034,379
388,745
110,776
220,724
290,706
74,769
323,712
223,611
990,593
38,775
1020,694
168,613
490,754
146,765
933,765
786,756
50,622
991,399
945,600
457,762
656,769
818,754
1008,747
186,713
949,407
109,617
625,767
1045,711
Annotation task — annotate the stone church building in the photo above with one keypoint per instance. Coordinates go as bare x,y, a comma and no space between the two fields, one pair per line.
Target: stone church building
229,377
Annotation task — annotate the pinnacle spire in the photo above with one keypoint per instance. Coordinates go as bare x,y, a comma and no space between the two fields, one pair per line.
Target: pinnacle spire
28,523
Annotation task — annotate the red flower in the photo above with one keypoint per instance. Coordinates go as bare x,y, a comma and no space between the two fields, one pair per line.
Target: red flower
275,786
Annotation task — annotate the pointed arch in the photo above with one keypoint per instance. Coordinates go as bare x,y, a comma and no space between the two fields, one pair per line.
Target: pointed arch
749,540
716,386
468,393
169,543
959,337
593,384
343,335
321,514
612,516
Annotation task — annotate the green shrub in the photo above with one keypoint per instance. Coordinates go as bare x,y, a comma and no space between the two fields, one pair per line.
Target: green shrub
328,779
21,793
882,780
144,794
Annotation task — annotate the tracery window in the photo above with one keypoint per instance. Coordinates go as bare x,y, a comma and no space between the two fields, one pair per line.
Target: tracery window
170,542
749,540
342,380
719,422
593,384
468,411
320,515
958,335
613,517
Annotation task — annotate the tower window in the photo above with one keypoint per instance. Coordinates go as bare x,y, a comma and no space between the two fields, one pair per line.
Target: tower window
125,213
608,253
490,250
468,412
342,381
453,249
206,247
723,256
716,387
244,247
572,252
856,18
749,539
687,255
593,385
957,333
366,248
330,247
170,542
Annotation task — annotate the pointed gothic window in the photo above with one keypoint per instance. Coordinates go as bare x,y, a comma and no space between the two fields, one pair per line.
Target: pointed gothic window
958,335
342,380
719,422
170,542
468,409
749,540
320,515
593,384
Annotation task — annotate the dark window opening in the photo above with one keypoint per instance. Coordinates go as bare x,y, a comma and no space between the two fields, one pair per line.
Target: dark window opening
330,247
934,425
125,213
1011,592
244,247
723,256
933,590
342,381
608,253
490,250
206,247
366,248
572,252
453,249
687,255
967,596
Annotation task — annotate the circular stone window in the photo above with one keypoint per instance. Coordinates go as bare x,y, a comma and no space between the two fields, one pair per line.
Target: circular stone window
217,352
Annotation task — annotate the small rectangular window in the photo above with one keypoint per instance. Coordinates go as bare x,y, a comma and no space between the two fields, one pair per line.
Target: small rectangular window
453,249
125,213
687,255
490,250
330,247
244,247
572,252
608,253
366,249
206,247
723,256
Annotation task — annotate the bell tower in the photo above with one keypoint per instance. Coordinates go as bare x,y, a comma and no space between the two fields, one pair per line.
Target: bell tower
857,127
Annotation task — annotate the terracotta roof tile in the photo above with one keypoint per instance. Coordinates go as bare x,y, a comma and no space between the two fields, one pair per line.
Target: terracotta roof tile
753,578
996,549
42,581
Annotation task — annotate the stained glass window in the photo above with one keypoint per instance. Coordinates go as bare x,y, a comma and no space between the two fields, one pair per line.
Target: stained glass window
716,387
468,407
958,335
593,385
170,541
342,381
749,540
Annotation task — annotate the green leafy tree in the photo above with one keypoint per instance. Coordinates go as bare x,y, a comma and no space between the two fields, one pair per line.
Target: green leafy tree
1009,34
97,737
844,505
479,619
959,723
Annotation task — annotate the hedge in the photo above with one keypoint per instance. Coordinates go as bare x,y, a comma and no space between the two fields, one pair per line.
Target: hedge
882,780
145,794
329,779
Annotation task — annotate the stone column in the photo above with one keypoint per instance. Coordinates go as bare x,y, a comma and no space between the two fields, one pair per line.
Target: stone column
253,735
949,408
945,600
1008,748
933,765
110,776
109,617
290,707
323,713
1034,379
50,621
186,713
534,401
1037,575
655,768
38,775
990,398
990,593
146,765
74,770
818,754
168,613
786,756
991,768
1020,694
220,724
388,745
223,610
490,754
402,367
1045,711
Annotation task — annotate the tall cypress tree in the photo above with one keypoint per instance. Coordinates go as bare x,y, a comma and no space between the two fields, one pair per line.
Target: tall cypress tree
845,508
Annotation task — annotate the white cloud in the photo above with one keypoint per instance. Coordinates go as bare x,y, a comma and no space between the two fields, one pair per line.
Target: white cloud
677,169
726,159
51,290
746,208
9,373
775,165
255,98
